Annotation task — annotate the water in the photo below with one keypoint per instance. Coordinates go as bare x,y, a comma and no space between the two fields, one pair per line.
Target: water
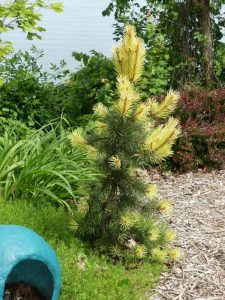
80,27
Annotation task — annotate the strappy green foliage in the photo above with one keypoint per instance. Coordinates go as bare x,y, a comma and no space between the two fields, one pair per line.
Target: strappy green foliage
37,164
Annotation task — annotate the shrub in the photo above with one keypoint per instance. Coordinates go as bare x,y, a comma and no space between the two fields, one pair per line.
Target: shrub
38,164
202,116
36,97
29,94
121,215
92,83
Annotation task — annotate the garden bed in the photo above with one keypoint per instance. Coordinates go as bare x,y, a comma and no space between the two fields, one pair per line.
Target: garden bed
198,219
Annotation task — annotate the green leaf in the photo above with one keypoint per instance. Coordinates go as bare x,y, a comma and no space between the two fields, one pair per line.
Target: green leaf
57,7
31,35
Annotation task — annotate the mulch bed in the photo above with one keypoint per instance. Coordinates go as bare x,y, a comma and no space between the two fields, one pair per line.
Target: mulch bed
21,291
198,219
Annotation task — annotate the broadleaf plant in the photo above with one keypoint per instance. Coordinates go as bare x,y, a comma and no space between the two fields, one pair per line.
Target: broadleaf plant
122,214
24,15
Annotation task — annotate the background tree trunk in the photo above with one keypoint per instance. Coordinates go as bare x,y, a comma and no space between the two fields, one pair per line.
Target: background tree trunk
185,39
205,28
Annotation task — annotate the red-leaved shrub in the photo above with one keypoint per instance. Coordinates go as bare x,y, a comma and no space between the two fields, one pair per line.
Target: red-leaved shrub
202,117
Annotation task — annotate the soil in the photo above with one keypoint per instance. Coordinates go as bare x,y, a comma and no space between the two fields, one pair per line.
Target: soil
21,291
198,219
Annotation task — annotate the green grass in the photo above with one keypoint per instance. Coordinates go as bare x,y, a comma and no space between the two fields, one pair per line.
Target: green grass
100,280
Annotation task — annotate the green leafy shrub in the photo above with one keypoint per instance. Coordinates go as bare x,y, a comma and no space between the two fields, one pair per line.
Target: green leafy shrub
36,97
28,93
121,215
157,72
202,116
94,82
98,276
37,164
24,15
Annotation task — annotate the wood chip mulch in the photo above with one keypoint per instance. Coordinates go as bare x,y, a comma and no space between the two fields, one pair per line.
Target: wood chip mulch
198,219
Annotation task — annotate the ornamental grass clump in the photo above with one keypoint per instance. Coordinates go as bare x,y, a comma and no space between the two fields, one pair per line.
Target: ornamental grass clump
121,215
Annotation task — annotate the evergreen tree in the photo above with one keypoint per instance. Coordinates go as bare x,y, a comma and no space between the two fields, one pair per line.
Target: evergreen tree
121,216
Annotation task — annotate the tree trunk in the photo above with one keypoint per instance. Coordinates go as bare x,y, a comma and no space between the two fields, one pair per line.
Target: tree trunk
185,39
205,28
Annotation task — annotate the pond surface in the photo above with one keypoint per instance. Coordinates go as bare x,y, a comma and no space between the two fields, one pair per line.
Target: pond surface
81,27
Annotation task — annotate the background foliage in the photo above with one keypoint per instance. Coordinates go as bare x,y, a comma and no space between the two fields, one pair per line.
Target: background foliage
36,97
202,117
30,94
192,31
25,15
94,82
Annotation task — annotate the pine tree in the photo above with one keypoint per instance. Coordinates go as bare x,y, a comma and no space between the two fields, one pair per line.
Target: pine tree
121,216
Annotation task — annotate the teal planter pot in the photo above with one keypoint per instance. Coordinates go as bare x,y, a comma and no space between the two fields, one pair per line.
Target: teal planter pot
26,257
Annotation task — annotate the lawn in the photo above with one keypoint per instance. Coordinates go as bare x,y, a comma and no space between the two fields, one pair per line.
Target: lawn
100,279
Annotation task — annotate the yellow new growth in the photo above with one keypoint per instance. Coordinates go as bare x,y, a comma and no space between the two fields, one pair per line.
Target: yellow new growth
77,137
151,191
153,235
174,254
140,251
166,107
127,128
141,113
169,236
129,55
101,126
127,221
127,96
164,206
115,162
125,88
101,110
82,206
92,151
159,255
159,143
